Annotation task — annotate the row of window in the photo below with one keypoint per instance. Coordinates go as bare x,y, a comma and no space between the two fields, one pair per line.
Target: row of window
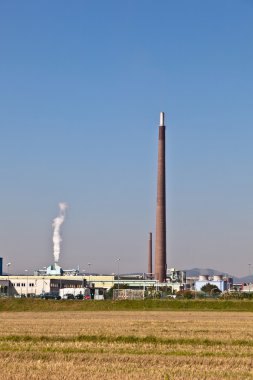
53,285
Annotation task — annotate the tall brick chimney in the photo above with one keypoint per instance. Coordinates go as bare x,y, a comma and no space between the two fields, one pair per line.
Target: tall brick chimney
160,244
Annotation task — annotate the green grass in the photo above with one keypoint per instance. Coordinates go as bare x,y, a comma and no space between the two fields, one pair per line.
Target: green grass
120,351
127,339
20,305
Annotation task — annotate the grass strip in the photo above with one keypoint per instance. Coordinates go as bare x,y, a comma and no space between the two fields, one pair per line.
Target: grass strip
127,339
38,305
123,351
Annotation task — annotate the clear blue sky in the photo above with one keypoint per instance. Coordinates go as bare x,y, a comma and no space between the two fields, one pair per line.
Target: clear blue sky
81,87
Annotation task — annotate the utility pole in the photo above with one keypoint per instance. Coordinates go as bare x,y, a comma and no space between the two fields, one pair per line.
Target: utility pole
118,260
26,270
8,288
249,278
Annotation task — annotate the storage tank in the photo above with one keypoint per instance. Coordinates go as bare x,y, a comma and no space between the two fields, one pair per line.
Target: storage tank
218,277
203,277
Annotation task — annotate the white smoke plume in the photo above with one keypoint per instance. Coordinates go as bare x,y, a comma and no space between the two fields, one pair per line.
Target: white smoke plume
56,234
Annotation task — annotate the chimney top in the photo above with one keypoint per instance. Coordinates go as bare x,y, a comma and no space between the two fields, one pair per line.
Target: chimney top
161,119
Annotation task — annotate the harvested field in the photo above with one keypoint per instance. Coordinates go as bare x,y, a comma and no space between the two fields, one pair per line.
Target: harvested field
126,345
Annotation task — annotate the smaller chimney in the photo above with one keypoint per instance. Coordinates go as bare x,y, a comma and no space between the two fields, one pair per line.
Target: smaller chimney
150,255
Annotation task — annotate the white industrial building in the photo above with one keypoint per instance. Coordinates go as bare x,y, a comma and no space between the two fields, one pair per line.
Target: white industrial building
222,283
32,286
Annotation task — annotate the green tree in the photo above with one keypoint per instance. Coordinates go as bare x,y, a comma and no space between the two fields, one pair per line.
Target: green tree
210,289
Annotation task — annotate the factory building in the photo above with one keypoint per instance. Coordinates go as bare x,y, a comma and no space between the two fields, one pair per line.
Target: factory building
176,280
32,286
222,283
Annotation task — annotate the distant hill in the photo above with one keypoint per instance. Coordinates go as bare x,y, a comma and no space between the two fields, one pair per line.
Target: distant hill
198,271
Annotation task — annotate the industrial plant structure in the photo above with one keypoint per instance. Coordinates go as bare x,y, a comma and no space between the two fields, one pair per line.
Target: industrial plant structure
51,277
55,279
56,270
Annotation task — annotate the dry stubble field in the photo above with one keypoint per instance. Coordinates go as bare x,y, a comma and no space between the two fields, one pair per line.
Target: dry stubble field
126,345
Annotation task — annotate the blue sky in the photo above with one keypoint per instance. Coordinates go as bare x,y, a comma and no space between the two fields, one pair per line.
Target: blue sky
81,87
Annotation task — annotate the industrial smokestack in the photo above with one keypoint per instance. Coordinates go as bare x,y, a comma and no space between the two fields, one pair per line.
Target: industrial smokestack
160,245
150,255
